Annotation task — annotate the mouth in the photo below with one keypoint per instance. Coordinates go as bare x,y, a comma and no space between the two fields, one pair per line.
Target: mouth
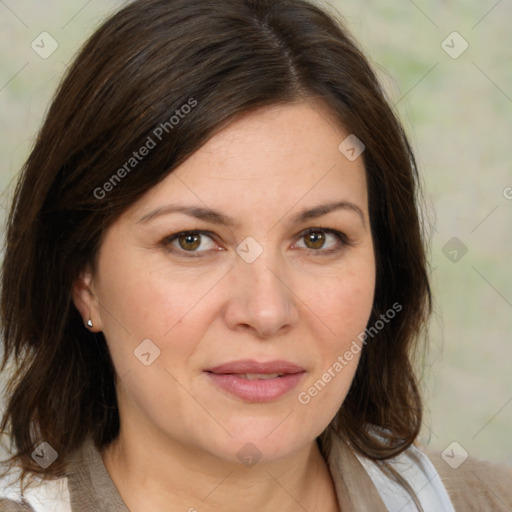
251,367
259,376
254,381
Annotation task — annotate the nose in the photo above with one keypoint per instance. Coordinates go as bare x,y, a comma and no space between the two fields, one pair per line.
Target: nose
261,298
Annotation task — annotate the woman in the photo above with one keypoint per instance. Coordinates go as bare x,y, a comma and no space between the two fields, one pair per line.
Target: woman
214,279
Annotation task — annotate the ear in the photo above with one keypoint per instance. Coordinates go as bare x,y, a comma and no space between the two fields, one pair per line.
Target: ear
85,300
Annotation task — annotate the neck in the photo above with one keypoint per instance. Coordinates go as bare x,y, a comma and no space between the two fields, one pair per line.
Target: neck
157,475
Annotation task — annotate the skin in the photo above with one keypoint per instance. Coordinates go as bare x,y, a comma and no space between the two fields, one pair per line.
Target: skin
180,434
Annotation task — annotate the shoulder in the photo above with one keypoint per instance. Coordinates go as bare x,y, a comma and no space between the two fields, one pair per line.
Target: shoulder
475,484
85,486
14,506
40,496
408,481
471,486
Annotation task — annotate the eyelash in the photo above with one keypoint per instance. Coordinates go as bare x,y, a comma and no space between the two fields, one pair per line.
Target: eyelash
342,239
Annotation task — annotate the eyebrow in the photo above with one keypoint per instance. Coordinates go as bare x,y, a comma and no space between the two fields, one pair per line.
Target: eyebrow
215,217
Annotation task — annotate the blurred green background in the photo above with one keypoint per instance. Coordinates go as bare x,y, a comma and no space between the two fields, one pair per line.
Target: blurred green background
458,115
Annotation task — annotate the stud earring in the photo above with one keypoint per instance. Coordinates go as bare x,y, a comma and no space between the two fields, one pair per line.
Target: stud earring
89,323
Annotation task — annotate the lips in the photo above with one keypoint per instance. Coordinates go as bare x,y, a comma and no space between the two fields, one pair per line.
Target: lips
254,381
248,366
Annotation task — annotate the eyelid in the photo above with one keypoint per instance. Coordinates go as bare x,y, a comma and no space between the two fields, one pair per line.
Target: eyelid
330,231
342,238
166,242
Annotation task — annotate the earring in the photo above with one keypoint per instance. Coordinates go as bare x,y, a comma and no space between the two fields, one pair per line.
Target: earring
89,323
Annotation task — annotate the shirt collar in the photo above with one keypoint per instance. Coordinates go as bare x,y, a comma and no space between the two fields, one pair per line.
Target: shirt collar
91,487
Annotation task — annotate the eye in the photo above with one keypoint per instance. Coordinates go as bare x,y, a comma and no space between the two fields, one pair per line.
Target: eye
190,241
323,240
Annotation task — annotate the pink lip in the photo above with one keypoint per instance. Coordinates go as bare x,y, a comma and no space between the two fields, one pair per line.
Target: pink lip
251,366
227,377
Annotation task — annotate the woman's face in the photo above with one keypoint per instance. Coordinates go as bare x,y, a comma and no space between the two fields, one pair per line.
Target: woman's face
245,283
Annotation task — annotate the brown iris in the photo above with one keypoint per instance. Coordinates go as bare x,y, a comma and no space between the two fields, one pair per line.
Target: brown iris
189,242
315,240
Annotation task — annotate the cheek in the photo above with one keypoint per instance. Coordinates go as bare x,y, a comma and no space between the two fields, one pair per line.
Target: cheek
343,310
146,302
142,300
348,305
343,302
135,306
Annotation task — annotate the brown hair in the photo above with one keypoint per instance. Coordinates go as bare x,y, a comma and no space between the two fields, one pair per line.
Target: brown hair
227,57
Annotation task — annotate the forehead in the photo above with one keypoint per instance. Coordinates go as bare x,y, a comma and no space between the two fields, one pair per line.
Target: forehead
267,161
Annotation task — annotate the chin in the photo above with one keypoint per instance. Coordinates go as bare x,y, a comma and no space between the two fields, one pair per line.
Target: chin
260,441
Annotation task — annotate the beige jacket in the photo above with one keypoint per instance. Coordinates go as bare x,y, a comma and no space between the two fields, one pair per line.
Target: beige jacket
475,486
